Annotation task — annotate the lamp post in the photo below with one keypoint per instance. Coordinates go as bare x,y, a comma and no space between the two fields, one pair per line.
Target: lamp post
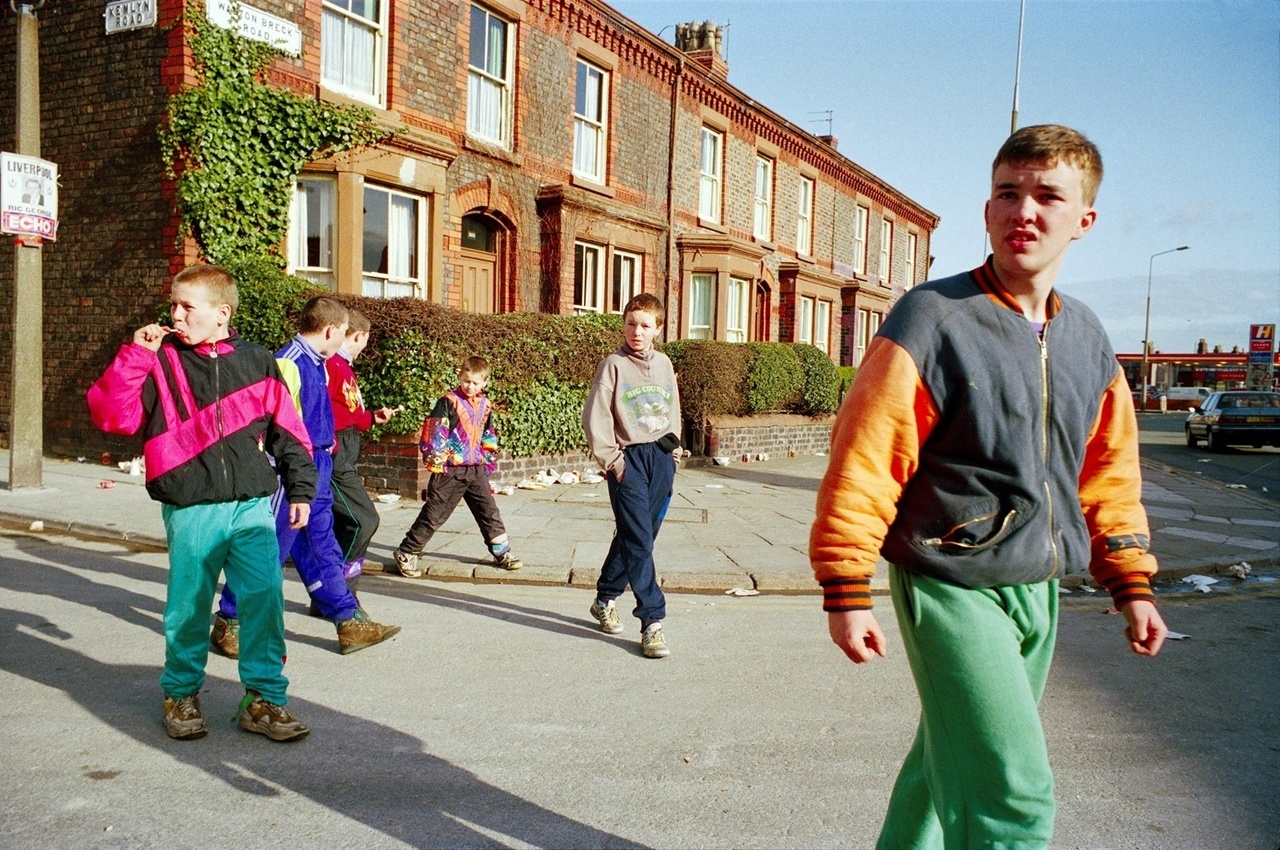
1146,328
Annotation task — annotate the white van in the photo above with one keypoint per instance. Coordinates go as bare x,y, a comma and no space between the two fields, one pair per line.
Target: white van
1194,394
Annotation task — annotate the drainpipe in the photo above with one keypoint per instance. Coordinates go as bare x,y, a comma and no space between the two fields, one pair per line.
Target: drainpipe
671,190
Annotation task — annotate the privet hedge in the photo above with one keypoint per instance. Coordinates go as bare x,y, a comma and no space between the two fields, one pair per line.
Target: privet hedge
542,365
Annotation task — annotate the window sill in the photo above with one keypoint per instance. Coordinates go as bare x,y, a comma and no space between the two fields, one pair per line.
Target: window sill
713,226
490,149
328,95
805,258
592,186
765,243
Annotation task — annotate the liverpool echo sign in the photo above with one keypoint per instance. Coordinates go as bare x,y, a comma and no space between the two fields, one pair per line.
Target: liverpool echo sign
28,196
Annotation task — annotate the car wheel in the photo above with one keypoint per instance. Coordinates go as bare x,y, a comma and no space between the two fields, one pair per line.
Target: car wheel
1192,442
1217,443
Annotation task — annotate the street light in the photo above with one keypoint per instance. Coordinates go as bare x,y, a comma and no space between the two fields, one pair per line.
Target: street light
1146,329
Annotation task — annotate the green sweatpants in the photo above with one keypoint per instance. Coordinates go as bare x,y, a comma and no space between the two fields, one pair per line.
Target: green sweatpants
238,538
977,775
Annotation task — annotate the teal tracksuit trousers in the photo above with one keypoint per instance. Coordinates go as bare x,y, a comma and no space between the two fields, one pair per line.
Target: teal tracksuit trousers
977,775
239,539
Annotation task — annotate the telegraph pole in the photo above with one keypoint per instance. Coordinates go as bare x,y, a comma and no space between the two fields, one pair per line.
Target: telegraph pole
26,390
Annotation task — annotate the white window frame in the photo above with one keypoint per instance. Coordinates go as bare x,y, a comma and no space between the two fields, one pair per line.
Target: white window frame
804,216
711,171
628,272
312,226
738,309
347,35
406,251
862,215
885,268
588,278
489,88
910,265
702,305
804,320
868,326
762,217
590,121
822,327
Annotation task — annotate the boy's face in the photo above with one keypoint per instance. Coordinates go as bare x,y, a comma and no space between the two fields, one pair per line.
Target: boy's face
355,343
471,384
1035,212
196,318
639,329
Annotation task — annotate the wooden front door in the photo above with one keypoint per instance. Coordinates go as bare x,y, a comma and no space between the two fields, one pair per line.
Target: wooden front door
478,273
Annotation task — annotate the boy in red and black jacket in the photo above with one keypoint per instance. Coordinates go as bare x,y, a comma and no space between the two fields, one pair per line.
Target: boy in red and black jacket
355,519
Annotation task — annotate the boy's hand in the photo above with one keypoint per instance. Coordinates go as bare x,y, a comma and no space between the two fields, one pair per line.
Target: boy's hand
299,513
858,634
1146,630
383,414
151,336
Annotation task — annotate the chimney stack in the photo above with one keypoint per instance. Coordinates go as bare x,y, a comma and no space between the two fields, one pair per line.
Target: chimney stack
703,43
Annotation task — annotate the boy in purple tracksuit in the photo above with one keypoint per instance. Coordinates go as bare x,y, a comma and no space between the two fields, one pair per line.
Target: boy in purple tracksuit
211,406
322,326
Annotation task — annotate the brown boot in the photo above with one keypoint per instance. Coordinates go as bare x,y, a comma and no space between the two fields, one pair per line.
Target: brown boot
361,633
226,636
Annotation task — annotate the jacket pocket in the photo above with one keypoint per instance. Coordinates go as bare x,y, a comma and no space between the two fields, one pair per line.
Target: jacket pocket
982,525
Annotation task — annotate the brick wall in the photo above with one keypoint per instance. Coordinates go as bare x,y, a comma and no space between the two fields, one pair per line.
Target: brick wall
777,436
101,101
393,465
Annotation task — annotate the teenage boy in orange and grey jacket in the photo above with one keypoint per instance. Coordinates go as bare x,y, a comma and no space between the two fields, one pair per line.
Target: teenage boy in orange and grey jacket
987,447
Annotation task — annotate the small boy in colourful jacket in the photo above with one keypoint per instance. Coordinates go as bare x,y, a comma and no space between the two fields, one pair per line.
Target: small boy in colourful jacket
460,448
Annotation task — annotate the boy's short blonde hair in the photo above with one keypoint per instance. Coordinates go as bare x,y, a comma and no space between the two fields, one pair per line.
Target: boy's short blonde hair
1052,144
357,322
645,302
217,283
320,312
475,366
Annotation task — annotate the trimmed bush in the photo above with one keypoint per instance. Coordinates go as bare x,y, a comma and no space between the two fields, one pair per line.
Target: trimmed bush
270,300
776,377
820,390
846,374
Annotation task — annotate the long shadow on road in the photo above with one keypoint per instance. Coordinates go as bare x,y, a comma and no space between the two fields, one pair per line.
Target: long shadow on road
368,772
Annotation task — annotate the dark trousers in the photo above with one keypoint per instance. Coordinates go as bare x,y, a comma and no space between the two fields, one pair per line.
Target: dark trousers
639,503
355,519
444,490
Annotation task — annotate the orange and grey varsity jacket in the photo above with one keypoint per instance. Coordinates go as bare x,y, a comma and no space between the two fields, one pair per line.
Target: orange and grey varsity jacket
975,450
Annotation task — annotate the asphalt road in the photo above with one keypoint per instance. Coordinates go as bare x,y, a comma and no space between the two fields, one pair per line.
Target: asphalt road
1162,440
500,717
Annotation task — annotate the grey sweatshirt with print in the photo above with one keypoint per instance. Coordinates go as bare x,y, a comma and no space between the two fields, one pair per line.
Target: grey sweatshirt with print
634,399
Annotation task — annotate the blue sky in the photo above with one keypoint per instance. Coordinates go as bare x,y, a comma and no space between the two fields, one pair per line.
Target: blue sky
1182,98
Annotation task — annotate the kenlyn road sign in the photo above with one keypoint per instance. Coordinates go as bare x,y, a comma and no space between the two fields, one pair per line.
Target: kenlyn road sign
255,24
28,196
125,15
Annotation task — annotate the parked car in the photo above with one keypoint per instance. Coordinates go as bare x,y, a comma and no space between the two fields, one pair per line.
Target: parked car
1235,418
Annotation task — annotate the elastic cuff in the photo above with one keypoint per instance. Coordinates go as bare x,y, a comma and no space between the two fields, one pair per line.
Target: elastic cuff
846,594
1134,587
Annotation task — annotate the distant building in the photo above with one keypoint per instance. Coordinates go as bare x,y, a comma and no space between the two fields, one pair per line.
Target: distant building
556,157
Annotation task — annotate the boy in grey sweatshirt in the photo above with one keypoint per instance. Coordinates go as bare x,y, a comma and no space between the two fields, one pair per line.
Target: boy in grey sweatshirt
632,420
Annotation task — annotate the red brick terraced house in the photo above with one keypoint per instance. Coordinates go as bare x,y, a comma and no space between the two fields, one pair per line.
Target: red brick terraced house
551,155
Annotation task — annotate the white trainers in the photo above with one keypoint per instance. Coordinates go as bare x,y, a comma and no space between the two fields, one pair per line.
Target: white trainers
652,642
407,564
607,616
